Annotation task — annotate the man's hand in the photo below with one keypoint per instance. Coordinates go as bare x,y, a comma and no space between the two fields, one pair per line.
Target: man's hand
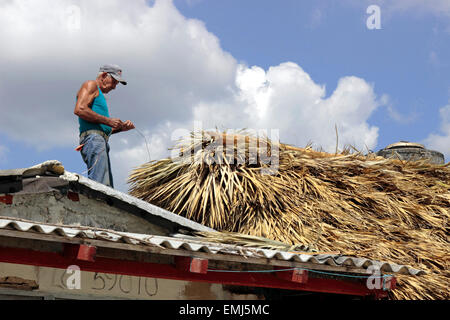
127,125
124,126
116,123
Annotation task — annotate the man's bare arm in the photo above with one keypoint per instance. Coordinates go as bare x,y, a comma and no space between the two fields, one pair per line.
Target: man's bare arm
86,95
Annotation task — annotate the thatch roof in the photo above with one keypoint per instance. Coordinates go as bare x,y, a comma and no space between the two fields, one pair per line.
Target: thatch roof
381,209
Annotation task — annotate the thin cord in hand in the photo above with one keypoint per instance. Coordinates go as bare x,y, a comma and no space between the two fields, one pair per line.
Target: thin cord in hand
96,160
149,158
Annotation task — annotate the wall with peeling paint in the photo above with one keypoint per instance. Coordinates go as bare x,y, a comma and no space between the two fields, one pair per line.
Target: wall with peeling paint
52,283
53,207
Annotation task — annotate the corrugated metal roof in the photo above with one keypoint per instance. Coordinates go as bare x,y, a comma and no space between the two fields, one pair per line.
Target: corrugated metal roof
55,167
199,246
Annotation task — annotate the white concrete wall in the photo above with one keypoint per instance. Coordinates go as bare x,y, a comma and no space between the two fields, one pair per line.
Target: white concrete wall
53,283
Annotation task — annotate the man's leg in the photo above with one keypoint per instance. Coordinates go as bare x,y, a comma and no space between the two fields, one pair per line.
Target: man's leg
109,167
95,156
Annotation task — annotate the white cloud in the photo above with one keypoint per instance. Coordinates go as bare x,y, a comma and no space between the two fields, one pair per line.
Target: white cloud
170,62
286,98
177,73
441,142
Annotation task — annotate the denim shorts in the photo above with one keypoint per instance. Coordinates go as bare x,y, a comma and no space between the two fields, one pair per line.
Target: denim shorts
95,154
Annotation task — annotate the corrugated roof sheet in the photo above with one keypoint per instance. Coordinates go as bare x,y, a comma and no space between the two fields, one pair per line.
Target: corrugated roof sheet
55,167
199,246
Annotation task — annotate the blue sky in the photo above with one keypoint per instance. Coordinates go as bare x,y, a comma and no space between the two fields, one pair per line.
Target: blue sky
297,66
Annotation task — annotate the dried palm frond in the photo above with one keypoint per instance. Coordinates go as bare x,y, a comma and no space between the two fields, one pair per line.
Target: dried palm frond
382,209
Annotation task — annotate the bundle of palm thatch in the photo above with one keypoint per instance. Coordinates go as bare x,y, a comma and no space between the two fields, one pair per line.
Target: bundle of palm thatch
363,205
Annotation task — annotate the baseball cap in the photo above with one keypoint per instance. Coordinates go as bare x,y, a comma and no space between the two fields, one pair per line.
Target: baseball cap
115,71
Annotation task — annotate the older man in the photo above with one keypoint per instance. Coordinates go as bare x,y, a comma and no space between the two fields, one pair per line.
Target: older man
96,126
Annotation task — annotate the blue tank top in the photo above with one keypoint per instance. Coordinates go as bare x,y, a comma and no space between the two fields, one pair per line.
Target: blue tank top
99,106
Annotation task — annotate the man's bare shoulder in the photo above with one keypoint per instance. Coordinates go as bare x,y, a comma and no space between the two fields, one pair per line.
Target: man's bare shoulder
90,86
88,90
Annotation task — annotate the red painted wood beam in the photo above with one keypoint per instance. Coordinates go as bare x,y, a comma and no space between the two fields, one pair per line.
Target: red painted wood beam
6,199
189,264
166,271
81,252
391,283
298,276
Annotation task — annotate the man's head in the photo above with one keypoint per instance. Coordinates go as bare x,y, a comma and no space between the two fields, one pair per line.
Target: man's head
109,76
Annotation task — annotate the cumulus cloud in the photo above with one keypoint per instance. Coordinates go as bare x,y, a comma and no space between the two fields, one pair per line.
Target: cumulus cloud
286,98
441,142
177,74
170,62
